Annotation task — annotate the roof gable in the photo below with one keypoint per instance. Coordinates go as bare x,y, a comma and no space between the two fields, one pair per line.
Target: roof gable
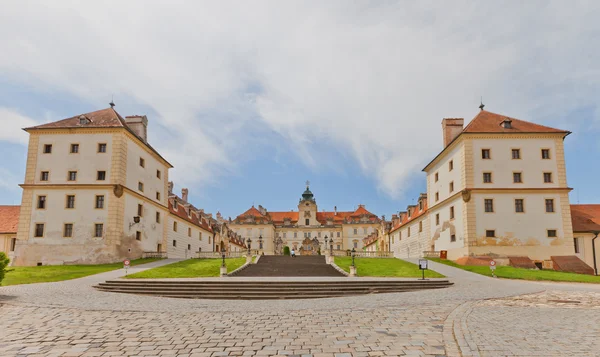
585,218
488,122
9,218
104,118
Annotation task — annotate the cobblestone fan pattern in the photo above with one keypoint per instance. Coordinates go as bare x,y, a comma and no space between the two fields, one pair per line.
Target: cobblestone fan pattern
478,316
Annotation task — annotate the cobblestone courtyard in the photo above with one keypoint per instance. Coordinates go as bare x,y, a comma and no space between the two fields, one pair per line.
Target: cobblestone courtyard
478,316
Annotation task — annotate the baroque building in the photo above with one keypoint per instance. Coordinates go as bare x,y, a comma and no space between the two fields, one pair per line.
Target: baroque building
306,229
497,188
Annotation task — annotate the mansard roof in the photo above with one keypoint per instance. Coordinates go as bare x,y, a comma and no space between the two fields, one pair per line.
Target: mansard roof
192,218
322,217
416,213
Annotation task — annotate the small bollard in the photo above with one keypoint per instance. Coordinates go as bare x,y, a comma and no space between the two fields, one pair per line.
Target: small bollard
223,271
352,270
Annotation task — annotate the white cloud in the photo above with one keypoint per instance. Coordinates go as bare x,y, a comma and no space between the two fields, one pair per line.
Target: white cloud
12,125
373,80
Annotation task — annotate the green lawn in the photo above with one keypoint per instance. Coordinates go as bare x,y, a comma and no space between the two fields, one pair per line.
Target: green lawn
388,267
191,268
525,274
49,273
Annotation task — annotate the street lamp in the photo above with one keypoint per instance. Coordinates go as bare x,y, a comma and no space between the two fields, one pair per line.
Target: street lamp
223,255
325,244
260,242
330,246
353,251
248,242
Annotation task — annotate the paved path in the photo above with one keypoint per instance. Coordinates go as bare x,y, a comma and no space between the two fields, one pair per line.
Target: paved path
478,316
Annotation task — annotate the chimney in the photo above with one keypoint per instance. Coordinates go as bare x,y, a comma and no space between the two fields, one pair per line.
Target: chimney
451,128
170,187
184,194
335,210
139,125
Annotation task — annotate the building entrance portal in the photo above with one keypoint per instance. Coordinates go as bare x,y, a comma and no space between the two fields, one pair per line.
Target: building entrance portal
309,247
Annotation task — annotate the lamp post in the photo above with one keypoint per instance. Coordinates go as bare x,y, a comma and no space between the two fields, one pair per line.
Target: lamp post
325,245
330,246
223,255
353,267
223,266
248,242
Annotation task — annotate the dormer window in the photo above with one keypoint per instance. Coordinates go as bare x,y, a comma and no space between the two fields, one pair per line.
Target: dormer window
175,204
83,120
507,123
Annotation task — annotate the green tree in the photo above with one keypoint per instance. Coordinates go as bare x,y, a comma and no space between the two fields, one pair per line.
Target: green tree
3,264
286,250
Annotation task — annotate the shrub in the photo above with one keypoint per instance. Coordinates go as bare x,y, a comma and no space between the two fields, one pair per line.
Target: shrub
286,250
319,251
3,264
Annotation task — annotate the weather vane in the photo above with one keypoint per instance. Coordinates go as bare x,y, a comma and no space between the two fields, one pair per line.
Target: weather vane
307,183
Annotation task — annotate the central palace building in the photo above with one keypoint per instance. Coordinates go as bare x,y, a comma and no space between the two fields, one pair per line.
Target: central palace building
305,230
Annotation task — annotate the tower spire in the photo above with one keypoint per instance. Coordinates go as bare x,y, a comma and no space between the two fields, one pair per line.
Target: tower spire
481,105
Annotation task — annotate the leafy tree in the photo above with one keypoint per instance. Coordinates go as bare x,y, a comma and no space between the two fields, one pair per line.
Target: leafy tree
3,264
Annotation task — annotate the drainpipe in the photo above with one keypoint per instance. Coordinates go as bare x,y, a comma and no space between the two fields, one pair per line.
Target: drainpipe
594,251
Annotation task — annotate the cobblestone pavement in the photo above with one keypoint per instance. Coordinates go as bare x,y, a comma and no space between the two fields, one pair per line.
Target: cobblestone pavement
478,316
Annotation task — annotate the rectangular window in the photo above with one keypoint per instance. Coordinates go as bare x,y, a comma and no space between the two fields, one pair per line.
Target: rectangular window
68,230
517,177
516,154
452,212
13,243
175,204
355,231
519,205
550,205
420,205
355,244
487,177
547,177
72,176
451,186
44,176
338,247
140,210
101,147
99,201
437,196
138,235
284,234
364,231
400,235
158,174
189,247
307,222
142,162
295,234
437,177
575,243
70,201
421,226
408,232
41,202
189,232
141,186
199,235
437,219
47,148
451,165
490,233
546,154
101,175
39,230
551,233
157,217
489,205
74,148
453,238
98,229
338,234
485,154
158,196
174,226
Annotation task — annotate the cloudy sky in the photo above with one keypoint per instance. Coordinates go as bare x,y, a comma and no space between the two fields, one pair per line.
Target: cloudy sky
249,99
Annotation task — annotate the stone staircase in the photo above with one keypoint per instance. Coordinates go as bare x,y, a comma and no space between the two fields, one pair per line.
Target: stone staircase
234,288
281,265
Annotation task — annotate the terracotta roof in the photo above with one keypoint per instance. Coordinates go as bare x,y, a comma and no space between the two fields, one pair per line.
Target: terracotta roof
322,217
585,218
9,218
370,239
104,118
488,122
414,215
182,213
